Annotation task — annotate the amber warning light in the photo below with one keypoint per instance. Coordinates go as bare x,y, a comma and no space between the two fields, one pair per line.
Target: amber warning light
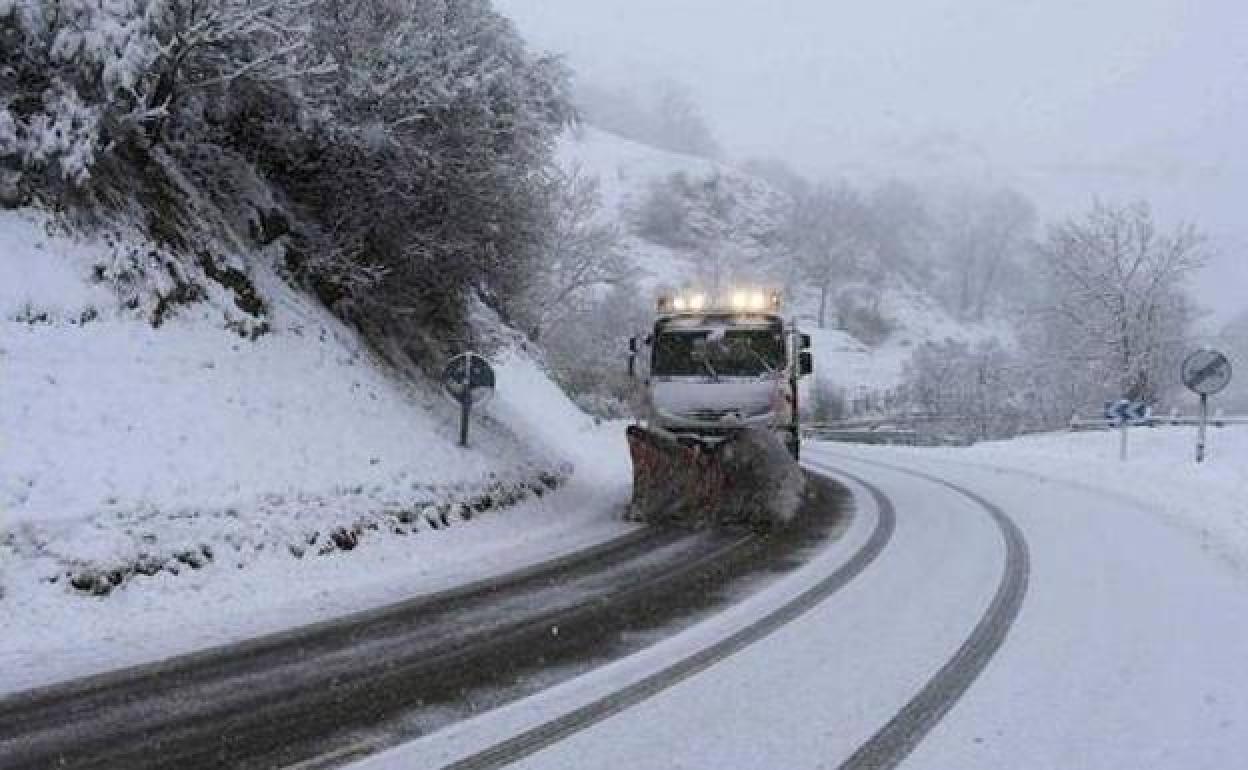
741,300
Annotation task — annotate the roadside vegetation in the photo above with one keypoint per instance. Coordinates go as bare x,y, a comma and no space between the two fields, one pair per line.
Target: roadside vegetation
397,151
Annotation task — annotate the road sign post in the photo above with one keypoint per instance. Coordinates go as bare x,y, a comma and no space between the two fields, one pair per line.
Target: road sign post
465,417
1203,435
1125,413
1206,373
468,379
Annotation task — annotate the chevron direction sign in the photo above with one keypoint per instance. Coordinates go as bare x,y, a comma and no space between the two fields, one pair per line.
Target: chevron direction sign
1124,412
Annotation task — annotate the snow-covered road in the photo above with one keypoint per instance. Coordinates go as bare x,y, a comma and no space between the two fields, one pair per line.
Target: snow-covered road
1127,651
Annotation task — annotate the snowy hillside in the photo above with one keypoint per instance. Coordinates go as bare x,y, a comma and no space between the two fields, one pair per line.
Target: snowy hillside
866,377
192,472
846,368
628,170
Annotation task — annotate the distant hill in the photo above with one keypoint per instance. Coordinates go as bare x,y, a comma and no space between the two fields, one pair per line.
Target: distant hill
683,217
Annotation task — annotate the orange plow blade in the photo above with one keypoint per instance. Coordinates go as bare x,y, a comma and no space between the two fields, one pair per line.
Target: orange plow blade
748,478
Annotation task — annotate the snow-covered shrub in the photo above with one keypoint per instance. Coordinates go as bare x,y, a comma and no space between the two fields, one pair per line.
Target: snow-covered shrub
587,356
74,71
859,312
82,76
421,163
981,390
581,260
405,146
662,215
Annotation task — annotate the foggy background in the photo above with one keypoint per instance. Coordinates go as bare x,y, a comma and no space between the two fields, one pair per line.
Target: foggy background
1062,100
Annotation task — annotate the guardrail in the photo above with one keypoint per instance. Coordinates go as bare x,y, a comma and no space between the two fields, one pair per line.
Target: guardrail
883,436
1218,421
1174,419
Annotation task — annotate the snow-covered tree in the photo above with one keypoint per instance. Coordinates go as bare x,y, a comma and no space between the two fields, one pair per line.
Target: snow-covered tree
1117,315
423,159
903,225
409,142
588,355
581,260
82,76
977,386
983,235
829,236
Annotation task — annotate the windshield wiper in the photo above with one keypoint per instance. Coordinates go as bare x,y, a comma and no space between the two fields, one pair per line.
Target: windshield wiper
770,369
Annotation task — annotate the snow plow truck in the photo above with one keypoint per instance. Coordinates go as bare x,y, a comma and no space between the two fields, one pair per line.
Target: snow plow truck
718,435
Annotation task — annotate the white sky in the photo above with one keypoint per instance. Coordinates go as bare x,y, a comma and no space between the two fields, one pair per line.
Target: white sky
1065,99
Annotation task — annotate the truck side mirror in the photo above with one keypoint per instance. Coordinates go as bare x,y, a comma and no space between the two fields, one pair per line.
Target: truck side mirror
804,341
805,362
632,345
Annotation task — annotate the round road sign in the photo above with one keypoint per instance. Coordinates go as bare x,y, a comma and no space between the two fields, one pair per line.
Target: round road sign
468,375
1207,372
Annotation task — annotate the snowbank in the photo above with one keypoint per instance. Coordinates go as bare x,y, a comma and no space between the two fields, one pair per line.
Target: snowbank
1161,477
532,405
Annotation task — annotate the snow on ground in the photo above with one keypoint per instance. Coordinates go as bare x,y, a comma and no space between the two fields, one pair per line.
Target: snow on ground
1208,502
1127,652
217,486
858,371
532,405
841,361
800,698
625,169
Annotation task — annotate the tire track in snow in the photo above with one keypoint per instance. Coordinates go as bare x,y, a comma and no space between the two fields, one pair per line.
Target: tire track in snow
531,741
890,746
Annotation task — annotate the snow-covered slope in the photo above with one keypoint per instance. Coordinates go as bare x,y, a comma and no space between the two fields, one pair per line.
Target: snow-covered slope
865,377
115,415
232,478
627,170
846,368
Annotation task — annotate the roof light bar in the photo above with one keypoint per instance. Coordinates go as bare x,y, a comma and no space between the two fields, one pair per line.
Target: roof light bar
741,300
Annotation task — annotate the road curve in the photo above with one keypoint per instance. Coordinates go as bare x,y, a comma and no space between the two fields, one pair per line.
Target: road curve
563,734
901,734
533,740
389,673
184,704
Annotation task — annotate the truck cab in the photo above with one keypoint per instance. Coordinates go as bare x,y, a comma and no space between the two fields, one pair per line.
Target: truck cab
715,366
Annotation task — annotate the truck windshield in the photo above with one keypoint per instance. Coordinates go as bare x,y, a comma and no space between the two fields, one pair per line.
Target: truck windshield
725,353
